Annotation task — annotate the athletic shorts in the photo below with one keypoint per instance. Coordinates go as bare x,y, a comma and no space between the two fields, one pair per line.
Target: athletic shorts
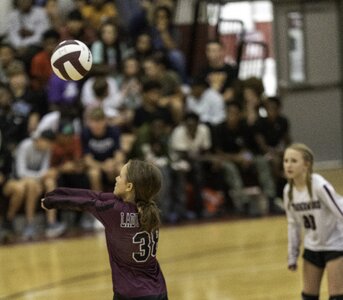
160,297
320,258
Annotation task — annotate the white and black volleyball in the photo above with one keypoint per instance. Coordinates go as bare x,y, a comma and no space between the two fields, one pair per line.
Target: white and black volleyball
71,60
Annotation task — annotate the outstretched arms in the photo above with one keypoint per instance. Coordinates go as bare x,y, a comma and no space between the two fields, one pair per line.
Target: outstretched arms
77,199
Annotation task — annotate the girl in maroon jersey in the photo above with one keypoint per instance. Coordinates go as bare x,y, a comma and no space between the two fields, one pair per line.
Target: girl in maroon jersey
131,220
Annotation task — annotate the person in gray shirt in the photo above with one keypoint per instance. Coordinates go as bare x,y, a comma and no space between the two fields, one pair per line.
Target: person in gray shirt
32,162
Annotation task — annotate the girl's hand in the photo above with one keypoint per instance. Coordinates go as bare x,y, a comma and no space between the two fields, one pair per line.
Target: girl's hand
292,267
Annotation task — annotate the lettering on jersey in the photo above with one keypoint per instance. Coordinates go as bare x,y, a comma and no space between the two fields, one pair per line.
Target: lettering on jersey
129,220
101,146
303,206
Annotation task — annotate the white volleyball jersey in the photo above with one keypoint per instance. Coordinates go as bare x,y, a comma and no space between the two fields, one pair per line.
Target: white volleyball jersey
320,218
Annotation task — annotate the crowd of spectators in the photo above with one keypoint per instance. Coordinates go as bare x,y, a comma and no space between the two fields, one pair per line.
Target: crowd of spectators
217,140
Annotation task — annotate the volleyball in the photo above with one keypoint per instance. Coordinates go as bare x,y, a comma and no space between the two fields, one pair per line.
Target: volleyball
71,60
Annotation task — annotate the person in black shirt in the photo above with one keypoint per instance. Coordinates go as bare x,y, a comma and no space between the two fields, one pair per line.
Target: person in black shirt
272,137
150,109
28,106
14,192
230,148
15,115
274,129
220,75
6,160
244,168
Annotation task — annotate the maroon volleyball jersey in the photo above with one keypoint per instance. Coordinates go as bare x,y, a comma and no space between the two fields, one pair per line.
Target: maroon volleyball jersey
132,251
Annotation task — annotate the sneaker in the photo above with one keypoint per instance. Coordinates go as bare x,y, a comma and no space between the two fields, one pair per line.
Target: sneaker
29,233
87,222
98,225
6,232
55,230
173,218
276,206
190,215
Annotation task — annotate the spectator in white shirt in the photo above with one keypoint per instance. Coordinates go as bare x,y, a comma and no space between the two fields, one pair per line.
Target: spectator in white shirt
189,142
26,24
103,91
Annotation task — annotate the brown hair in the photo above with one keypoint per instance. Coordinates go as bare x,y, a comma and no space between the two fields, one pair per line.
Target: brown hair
308,157
95,113
147,181
16,68
100,86
254,83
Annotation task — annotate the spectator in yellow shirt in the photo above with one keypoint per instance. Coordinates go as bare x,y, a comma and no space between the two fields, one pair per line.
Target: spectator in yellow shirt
99,11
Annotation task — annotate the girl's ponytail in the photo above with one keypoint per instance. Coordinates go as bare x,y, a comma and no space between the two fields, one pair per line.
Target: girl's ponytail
149,215
147,180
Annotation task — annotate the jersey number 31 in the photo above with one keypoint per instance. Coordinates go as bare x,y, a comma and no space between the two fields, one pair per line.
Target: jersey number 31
309,222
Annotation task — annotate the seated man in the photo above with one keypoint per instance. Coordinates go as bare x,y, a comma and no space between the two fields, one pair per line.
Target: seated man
189,142
101,149
242,166
220,75
206,102
273,136
150,106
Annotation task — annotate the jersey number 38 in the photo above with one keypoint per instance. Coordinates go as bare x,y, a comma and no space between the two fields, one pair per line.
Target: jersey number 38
147,245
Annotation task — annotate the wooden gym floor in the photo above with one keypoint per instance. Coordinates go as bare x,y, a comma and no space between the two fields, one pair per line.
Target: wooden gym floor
226,260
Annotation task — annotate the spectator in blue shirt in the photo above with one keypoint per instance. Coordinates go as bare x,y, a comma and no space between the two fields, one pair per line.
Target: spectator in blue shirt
101,149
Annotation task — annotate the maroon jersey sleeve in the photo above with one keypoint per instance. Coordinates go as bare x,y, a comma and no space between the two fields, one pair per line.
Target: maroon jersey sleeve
79,199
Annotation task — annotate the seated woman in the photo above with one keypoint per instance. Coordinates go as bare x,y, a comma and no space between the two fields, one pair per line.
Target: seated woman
31,179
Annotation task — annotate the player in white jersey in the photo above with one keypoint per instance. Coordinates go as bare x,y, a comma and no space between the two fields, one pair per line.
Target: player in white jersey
312,205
